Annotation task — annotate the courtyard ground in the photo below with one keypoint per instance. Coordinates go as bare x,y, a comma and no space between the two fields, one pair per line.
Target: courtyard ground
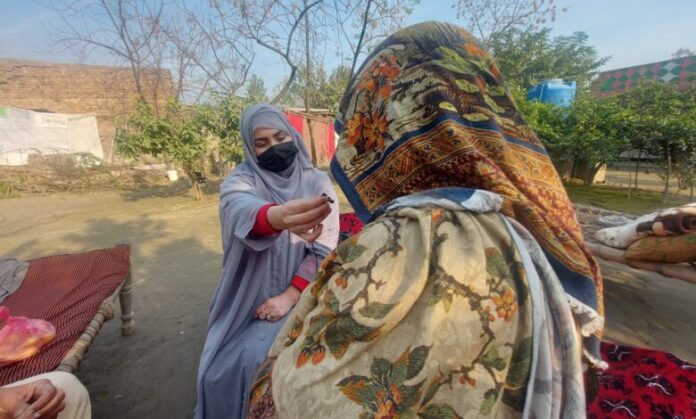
176,259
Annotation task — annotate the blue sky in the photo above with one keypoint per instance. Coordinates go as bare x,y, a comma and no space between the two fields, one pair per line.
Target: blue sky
632,32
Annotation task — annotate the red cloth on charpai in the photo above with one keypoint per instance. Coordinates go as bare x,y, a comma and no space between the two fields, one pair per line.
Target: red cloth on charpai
66,290
639,383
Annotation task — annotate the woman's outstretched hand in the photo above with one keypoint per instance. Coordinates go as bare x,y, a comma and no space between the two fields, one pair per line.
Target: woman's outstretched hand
302,217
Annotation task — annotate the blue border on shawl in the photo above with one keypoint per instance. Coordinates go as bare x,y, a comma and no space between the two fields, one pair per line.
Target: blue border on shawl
350,191
338,127
580,286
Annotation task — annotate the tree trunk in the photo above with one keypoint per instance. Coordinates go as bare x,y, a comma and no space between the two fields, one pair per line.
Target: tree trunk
665,193
630,181
308,87
635,179
692,161
167,161
195,187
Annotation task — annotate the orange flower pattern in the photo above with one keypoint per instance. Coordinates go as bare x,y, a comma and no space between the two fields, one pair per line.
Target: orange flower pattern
385,393
458,127
351,312
368,128
354,129
505,304
377,80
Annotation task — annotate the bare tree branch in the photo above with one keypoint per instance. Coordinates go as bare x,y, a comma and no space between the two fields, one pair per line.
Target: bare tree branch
488,17
362,36
368,21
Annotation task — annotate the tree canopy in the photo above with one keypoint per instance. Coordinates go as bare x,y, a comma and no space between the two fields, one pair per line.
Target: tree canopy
527,57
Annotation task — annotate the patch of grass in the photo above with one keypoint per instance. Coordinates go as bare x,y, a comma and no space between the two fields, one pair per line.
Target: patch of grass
616,199
7,191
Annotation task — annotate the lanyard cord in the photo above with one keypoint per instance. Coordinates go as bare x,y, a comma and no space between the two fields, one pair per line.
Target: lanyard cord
316,258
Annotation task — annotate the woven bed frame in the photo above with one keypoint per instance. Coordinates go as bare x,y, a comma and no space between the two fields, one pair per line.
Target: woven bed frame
123,293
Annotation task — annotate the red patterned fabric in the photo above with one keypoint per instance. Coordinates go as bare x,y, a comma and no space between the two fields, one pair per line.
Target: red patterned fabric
639,383
66,290
642,383
349,224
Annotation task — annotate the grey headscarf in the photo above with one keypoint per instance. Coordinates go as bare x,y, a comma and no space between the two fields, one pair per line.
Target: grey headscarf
281,186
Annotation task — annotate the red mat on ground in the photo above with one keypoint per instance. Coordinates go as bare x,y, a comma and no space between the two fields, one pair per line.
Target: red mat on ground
639,383
643,383
66,290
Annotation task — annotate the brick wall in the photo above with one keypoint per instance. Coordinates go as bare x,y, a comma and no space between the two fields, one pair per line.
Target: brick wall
108,92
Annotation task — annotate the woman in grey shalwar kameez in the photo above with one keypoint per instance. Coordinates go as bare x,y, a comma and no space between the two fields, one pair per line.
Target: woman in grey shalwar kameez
258,268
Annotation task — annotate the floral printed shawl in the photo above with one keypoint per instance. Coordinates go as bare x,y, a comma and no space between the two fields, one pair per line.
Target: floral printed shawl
439,308
428,109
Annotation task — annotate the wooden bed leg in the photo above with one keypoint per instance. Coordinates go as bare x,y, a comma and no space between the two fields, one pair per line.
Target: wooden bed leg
126,299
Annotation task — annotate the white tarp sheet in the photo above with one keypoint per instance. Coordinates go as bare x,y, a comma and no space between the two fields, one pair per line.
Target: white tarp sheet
23,133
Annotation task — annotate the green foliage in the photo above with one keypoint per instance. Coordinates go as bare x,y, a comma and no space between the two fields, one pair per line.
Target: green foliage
663,124
255,90
596,130
528,57
177,134
547,120
653,117
591,132
221,119
327,89
184,134
86,159
663,118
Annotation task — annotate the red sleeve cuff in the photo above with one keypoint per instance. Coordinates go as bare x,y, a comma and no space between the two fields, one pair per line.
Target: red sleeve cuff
299,283
262,227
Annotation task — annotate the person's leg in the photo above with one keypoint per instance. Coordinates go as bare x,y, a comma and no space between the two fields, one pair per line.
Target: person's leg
227,381
77,404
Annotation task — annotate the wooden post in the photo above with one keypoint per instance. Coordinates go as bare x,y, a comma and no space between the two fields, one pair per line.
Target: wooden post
126,299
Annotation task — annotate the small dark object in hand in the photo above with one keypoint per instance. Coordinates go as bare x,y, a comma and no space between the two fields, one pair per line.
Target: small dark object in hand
328,198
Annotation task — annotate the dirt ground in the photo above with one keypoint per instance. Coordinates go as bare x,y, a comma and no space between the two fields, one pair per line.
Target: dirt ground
176,259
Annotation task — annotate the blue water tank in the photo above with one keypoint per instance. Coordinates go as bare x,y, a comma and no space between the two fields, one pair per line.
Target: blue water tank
554,91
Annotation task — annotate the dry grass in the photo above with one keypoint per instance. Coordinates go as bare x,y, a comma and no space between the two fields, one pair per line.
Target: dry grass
51,174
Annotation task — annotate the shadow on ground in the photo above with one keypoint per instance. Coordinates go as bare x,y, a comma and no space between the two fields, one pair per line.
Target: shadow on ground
175,258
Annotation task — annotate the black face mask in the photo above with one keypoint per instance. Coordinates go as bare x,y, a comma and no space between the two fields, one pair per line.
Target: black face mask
279,157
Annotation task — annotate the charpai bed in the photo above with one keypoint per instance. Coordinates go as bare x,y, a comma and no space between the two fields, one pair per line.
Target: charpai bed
77,293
